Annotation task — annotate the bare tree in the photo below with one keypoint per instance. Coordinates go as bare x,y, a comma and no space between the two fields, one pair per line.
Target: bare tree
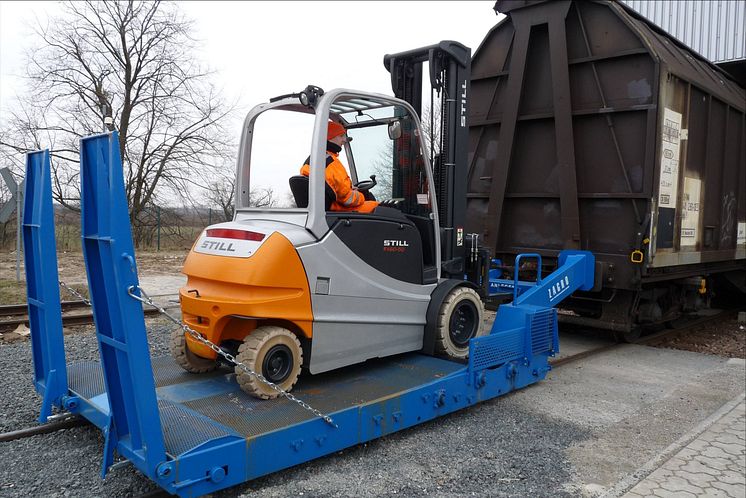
262,197
132,61
220,193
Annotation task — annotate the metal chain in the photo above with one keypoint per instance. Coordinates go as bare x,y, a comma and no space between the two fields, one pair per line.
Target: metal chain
144,298
74,293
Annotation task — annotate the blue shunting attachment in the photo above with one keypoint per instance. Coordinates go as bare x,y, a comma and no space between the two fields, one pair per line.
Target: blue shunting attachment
533,305
575,271
197,434
42,284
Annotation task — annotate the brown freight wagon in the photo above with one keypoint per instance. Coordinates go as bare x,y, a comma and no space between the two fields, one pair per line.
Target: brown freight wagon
591,128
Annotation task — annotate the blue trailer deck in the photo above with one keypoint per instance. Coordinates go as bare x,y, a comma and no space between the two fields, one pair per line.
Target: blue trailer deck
194,434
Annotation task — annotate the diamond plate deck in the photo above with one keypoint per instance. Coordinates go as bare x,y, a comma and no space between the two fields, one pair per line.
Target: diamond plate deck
328,393
233,410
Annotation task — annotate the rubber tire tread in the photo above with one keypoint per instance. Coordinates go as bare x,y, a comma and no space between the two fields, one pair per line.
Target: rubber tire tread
443,343
251,352
185,358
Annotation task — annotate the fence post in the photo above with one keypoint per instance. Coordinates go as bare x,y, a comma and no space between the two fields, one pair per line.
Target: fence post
19,222
209,217
158,217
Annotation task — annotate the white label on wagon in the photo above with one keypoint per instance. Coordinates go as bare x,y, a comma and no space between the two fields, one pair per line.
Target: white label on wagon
690,211
670,142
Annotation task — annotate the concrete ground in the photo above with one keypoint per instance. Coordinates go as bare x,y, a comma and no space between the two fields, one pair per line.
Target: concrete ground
713,463
634,401
162,285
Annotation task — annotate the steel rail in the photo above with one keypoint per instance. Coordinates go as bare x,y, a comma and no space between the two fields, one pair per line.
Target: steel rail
57,425
67,320
22,308
649,340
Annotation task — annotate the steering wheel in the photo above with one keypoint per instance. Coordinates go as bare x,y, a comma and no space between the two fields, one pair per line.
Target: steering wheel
367,184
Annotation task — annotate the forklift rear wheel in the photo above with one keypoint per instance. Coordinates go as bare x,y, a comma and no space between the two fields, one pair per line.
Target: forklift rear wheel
460,320
185,358
275,353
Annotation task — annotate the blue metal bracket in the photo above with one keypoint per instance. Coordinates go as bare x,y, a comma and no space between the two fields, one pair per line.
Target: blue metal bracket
583,270
531,316
42,286
575,271
135,430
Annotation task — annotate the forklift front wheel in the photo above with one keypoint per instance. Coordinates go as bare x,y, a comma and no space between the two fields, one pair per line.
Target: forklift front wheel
275,353
185,358
460,320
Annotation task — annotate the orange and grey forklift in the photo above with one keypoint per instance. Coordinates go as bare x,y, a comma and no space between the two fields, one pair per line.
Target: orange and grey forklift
290,284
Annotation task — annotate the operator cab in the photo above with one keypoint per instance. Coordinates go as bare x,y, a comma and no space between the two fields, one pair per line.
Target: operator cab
384,156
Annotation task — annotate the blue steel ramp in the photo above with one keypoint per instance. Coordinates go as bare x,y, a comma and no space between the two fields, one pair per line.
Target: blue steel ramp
371,382
216,436
195,434
197,408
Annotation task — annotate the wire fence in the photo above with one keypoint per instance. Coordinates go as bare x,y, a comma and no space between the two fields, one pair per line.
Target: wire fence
158,228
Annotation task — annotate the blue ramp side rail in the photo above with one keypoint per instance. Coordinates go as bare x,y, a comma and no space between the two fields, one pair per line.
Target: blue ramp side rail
42,284
134,429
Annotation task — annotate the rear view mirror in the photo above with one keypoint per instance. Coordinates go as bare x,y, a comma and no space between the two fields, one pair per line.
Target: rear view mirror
395,130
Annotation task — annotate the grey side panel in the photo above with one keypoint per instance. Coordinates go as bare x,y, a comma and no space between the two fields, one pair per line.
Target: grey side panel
338,344
359,312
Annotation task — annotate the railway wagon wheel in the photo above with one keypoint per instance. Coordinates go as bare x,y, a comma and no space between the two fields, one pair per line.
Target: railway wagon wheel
185,358
275,353
459,320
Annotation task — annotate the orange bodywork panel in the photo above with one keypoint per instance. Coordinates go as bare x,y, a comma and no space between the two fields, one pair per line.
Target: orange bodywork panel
234,294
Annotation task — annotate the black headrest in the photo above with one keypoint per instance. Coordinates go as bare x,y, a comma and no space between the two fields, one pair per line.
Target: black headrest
299,188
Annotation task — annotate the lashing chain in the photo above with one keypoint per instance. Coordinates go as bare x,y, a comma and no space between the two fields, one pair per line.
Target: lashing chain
144,298
75,293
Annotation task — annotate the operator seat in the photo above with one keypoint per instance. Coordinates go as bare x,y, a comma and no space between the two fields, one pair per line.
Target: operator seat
299,188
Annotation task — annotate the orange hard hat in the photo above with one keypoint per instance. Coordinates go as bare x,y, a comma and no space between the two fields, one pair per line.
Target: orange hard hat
334,129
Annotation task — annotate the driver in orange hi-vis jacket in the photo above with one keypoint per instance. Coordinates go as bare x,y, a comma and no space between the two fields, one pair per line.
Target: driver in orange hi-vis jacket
348,198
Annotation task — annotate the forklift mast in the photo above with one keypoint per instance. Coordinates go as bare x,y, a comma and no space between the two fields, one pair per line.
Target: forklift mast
450,71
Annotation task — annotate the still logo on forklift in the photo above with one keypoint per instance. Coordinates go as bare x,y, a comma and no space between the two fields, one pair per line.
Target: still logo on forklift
214,245
395,245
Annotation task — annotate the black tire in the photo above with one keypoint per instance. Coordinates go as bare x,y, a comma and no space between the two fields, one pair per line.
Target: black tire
275,353
460,319
185,358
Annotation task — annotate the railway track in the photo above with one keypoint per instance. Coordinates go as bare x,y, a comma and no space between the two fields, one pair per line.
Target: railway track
13,315
652,339
66,421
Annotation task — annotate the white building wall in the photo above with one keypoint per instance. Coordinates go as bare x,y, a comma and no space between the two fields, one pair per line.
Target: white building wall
713,28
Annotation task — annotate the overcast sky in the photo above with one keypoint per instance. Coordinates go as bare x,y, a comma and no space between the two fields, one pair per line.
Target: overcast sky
263,49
